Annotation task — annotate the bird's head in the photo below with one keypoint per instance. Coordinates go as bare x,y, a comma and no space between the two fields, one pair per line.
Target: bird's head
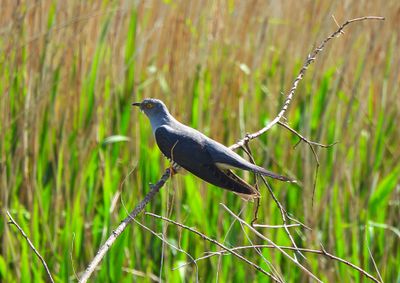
152,107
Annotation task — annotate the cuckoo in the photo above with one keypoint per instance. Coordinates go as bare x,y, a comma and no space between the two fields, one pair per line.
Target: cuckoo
202,156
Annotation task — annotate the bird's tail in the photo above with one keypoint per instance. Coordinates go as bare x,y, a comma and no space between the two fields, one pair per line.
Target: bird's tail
262,171
241,187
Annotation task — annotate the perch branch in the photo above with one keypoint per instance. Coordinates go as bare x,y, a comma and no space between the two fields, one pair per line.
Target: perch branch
165,241
247,149
320,252
310,58
274,226
311,144
13,222
105,247
222,246
304,139
272,243
155,188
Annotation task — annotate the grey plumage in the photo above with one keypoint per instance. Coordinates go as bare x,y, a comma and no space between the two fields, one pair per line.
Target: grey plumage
198,154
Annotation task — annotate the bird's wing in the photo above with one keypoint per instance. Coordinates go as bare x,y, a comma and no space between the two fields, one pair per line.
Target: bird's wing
190,152
182,148
227,158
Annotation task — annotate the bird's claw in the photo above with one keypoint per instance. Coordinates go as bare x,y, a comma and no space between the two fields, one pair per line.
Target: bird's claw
172,170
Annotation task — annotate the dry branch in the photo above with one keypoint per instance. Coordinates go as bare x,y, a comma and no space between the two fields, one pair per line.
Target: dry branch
310,58
313,251
13,222
272,243
241,143
121,227
215,242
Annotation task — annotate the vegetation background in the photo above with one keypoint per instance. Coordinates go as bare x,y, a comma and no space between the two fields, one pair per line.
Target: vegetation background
69,71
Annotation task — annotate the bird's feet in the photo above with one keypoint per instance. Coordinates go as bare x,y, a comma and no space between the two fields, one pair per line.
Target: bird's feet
174,168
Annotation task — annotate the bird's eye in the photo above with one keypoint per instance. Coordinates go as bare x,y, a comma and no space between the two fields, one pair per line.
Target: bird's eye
149,105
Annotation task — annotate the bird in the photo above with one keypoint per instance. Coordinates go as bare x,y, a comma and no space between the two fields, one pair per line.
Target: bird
202,156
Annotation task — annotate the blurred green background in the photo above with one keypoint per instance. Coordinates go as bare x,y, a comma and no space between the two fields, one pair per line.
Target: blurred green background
69,71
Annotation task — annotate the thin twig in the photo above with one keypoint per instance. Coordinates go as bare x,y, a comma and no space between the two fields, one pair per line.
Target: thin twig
110,241
283,213
72,260
302,138
275,226
162,238
258,251
271,243
247,149
225,237
310,58
375,266
311,144
154,189
321,252
138,273
12,221
215,242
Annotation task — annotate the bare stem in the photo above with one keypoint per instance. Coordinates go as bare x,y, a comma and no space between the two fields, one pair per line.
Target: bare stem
222,246
320,252
12,221
271,243
310,58
155,188
115,234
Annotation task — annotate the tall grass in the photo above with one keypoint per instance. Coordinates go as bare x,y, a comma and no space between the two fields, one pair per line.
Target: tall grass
69,71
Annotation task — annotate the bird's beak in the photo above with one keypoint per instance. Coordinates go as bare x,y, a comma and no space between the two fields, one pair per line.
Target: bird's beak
138,104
